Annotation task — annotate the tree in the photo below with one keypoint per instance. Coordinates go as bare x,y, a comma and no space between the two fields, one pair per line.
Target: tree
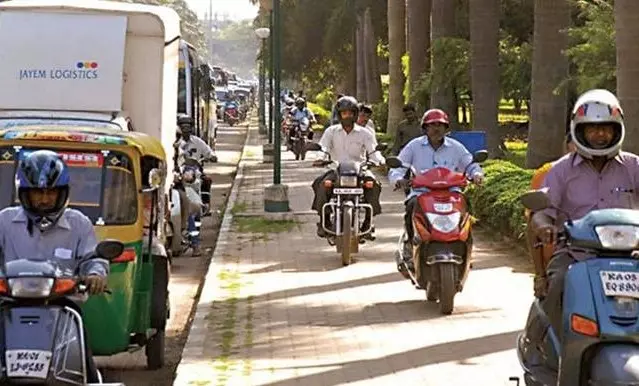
549,69
396,48
418,12
442,30
627,30
484,48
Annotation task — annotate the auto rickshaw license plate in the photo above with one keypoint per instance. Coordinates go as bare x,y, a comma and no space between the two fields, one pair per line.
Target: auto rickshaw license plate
28,363
348,190
616,283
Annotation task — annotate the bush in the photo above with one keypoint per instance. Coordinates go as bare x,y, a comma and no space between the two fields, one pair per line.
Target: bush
325,99
380,116
496,204
321,114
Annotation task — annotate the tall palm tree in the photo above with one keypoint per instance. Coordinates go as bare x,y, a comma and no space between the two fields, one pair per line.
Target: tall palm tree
418,13
484,50
627,30
549,69
442,26
373,79
396,49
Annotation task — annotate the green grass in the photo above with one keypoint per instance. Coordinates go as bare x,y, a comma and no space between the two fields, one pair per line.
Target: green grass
239,207
264,225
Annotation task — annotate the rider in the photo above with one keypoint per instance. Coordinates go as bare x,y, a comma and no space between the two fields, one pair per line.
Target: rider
42,227
598,176
347,141
431,150
299,112
364,118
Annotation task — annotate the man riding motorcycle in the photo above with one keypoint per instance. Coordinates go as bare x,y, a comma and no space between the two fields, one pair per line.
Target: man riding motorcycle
347,141
299,112
42,227
433,149
598,176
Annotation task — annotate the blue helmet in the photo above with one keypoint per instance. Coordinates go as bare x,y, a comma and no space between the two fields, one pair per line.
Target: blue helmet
43,169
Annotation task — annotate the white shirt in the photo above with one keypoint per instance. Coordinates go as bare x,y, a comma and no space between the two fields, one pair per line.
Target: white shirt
352,146
195,147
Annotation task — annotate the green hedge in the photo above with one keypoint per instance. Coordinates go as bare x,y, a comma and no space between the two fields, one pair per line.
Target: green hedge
496,204
321,114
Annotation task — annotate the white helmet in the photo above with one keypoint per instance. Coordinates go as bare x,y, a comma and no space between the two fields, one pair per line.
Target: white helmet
597,106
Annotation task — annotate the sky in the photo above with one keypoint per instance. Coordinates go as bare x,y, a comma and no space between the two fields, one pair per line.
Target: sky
235,9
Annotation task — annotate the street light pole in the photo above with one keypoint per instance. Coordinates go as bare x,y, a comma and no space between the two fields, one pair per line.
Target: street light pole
276,195
270,80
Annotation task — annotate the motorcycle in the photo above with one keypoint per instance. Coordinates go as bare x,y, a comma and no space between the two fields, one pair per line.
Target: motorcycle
442,244
43,335
346,207
231,113
600,319
299,137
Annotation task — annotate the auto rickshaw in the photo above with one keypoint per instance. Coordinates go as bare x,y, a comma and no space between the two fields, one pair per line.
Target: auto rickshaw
118,180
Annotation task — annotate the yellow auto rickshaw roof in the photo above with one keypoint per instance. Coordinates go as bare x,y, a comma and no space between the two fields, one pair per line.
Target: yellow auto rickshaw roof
103,136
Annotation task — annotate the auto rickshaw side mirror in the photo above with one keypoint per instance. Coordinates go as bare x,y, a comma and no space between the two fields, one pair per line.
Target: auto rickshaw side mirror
109,249
155,178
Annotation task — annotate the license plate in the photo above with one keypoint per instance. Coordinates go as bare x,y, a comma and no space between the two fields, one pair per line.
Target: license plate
28,363
623,284
348,190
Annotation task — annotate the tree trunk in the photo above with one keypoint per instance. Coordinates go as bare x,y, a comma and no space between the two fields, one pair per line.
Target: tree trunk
627,30
484,50
361,59
373,79
396,48
418,13
443,26
549,68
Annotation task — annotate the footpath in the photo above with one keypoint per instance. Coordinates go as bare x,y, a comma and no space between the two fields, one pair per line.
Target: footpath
278,308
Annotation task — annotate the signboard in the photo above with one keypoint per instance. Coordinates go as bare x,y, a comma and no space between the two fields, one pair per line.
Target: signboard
64,136
90,160
60,61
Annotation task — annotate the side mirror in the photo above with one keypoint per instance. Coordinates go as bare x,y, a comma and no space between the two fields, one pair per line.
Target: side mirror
155,178
109,249
381,146
313,146
394,162
480,156
535,200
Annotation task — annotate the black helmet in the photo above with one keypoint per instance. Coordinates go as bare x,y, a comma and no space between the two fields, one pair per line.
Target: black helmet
347,103
300,102
183,119
43,169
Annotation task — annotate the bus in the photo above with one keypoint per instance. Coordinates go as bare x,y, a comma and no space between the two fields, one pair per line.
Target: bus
195,93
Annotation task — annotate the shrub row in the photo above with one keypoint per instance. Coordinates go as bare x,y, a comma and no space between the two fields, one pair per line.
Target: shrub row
496,204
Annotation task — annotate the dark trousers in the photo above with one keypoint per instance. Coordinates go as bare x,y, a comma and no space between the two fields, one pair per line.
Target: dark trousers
552,303
408,217
206,188
323,194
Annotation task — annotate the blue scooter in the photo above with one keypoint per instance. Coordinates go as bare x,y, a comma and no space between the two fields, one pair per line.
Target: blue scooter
600,306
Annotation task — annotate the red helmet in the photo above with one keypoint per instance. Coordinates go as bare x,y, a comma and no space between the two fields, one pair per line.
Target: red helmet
435,116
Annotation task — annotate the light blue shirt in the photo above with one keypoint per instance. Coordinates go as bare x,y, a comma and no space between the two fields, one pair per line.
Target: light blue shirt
420,154
72,237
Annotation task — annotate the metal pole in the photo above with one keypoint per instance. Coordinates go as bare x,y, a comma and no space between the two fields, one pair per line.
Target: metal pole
271,133
277,41
262,101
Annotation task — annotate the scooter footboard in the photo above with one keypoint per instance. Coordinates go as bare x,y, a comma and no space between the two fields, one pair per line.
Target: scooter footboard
43,343
615,364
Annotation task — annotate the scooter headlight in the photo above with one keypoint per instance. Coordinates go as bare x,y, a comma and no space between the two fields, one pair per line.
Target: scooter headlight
619,237
348,181
444,223
30,287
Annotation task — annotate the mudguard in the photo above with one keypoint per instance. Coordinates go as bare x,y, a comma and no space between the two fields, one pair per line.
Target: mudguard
615,364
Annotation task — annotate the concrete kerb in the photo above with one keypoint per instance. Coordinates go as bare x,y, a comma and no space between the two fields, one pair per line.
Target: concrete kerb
187,369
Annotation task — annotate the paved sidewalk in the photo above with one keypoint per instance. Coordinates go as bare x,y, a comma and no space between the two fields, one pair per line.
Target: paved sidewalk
279,309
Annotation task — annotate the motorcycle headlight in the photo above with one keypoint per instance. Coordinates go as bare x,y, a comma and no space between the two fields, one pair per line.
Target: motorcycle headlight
30,287
620,237
188,176
444,223
348,181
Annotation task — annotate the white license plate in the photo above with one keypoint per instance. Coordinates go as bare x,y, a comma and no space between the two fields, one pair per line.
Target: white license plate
624,284
348,190
28,363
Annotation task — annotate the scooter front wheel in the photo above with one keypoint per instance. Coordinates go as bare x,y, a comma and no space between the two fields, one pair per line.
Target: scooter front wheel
447,288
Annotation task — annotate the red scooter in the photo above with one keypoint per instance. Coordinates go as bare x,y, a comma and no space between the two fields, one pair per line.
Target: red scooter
442,244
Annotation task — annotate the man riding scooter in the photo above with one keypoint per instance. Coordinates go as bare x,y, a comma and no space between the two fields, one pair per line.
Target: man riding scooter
43,228
189,145
598,176
431,150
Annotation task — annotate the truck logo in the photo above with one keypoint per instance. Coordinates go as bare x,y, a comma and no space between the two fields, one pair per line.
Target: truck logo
84,70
